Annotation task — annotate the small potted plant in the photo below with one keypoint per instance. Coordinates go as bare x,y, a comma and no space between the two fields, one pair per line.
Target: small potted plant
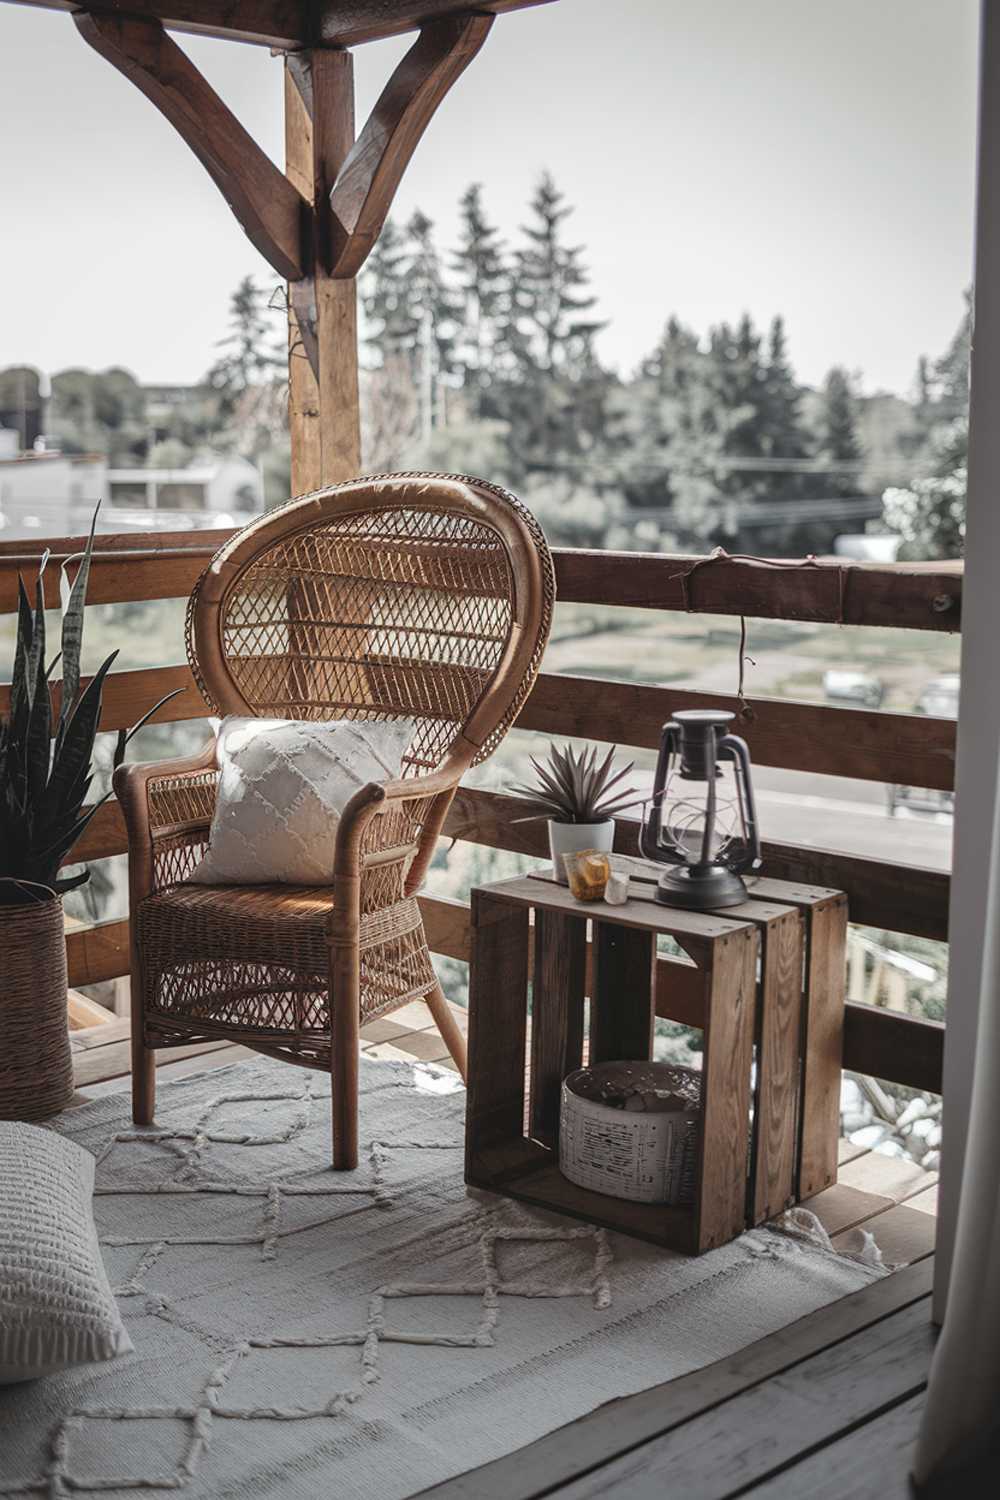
577,794
45,775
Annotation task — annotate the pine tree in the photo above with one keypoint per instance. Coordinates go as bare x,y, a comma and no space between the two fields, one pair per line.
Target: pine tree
482,291
251,357
838,434
555,392
433,323
385,298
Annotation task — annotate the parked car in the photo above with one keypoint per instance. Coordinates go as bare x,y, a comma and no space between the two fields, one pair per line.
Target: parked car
939,699
844,685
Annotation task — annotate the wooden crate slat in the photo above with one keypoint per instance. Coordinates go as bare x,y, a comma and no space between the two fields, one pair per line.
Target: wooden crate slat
560,979
869,745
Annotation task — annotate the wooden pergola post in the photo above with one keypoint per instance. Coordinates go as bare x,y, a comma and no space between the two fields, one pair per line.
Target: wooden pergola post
323,413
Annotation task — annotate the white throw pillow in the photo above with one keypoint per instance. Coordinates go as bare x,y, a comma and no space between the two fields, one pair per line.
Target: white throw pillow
56,1306
283,785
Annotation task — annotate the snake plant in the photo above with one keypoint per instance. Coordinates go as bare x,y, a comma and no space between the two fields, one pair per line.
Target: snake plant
45,776
574,788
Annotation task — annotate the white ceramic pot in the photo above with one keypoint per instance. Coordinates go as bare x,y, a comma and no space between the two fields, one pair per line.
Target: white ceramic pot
570,838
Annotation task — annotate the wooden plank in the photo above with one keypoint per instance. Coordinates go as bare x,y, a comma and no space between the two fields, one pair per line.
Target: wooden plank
345,23
123,569
104,836
761,1431
621,1011
97,952
822,1045
288,24
269,23
84,1013
880,893
899,1048
873,1459
622,1425
560,971
903,1234
841,1207
128,695
776,1088
115,1060
917,596
645,580
895,1177
898,898
498,982
868,745
723,1144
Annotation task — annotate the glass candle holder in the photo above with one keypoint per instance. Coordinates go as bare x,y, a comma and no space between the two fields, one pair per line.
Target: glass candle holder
587,871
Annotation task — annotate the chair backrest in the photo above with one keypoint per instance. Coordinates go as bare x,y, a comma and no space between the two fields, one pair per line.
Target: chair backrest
424,596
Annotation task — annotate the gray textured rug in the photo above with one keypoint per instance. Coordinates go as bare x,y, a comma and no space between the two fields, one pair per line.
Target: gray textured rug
302,1333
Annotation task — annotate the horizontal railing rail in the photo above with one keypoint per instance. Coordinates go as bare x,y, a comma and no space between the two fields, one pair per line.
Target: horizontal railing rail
913,750
917,596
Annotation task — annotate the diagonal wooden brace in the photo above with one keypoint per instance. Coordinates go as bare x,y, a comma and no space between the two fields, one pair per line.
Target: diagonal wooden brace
273,213
363,192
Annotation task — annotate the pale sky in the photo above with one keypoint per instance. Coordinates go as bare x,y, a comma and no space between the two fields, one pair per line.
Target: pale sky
796,156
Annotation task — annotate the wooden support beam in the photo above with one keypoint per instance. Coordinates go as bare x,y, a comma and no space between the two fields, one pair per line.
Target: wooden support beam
366,184
290,24
323,409
267,205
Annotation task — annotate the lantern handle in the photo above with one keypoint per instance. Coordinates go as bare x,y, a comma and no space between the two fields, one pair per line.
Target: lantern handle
649,829
738,749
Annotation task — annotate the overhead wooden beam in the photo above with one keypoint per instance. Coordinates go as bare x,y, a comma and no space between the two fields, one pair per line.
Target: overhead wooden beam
288,24
364,189
270,209
345,23
268,23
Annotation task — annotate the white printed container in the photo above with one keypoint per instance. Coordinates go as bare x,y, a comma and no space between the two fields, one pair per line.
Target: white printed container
644,1150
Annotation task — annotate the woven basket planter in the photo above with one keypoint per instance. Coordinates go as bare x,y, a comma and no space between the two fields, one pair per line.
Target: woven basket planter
36,1069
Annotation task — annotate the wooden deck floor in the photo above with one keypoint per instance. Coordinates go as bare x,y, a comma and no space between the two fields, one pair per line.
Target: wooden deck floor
826,1408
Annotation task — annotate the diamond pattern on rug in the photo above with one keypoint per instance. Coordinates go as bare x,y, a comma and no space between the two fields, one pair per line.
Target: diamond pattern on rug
263,1377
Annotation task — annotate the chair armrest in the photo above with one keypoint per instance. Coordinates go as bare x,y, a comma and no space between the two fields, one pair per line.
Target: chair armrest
168,808
387,835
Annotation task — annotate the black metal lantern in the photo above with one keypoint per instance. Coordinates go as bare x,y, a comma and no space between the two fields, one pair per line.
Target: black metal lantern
702,820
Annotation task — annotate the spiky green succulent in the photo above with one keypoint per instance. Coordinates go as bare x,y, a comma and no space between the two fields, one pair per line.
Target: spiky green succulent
574,787
44,779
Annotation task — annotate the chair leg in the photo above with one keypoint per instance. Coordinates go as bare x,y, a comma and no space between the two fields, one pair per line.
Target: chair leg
448,1027
344,1034
143,1064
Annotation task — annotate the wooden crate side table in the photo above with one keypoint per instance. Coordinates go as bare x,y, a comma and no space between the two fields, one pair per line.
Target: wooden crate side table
800,1032
499,1154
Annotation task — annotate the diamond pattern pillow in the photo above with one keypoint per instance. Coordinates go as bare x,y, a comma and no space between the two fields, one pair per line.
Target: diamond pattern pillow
56,1306
283,784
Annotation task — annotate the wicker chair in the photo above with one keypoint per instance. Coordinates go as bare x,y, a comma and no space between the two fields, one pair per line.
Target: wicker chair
418,595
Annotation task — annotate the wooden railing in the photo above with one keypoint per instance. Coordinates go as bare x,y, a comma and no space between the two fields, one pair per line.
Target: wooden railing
876,746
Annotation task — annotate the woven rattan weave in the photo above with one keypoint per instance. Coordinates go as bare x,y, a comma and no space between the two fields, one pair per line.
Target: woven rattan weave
422,596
